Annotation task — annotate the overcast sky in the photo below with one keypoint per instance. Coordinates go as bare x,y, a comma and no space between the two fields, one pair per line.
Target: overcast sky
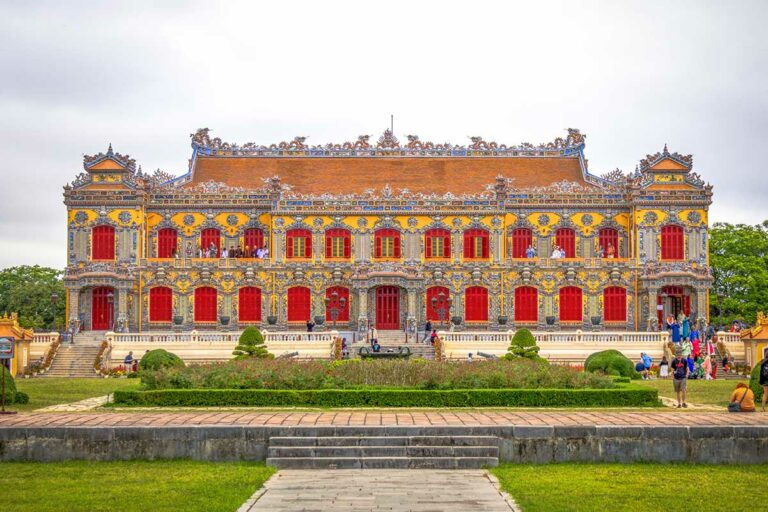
631,75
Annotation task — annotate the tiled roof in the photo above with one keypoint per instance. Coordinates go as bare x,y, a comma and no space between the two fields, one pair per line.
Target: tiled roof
418,174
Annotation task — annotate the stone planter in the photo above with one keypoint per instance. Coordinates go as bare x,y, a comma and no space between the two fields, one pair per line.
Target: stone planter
550,320
503,319
596,320
271,320
319,320
224,320
456,320
178,320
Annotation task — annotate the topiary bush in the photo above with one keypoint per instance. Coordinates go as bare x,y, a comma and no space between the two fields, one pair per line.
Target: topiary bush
754,382
251,344
10,386
157,359
610,362
523,346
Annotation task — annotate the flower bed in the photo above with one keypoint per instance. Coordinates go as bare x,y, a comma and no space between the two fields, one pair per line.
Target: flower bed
629,396
350,374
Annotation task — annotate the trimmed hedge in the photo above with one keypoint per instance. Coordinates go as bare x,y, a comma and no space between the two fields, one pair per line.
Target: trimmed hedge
619,397
611,362
160,358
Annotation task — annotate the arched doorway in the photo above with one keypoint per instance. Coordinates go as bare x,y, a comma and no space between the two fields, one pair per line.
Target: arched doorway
102,308
387,307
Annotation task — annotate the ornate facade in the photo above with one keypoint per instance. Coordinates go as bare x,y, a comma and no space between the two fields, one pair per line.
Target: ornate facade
386,233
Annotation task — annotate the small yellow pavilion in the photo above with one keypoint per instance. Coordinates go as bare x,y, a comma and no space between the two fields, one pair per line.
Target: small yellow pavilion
9,327
756,340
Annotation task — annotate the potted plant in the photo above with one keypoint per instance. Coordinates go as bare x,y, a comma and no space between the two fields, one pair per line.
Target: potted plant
503,319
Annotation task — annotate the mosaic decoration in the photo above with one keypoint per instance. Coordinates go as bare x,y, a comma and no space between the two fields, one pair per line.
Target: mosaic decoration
124,217
650,218
232,219
587,219
188,220
543,219
81,217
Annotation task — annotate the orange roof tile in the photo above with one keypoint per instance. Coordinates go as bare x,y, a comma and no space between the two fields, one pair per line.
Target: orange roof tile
418,174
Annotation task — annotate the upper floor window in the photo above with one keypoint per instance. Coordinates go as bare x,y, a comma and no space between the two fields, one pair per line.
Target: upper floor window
338,244
476,244
298,243
387,243
672,243
103,243
522,243
254,240
609,243
437,243
565,239
210,243
166,243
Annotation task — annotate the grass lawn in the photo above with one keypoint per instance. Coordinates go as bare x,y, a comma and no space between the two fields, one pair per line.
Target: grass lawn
44,392
643,487
709,392
140,485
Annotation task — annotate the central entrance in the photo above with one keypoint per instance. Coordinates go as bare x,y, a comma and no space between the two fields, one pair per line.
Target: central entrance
102,308
387,307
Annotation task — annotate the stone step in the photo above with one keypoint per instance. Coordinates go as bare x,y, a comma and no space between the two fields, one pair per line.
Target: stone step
289,441
382,462
336,452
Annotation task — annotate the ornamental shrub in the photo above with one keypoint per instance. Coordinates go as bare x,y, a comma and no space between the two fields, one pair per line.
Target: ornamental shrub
523,346
10,386
156,359
754,382
251,344
610,362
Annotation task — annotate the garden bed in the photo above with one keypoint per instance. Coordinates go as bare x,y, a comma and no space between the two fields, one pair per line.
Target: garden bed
620,396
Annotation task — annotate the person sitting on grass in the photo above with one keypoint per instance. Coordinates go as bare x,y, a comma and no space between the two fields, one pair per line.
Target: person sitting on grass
743,396
679,368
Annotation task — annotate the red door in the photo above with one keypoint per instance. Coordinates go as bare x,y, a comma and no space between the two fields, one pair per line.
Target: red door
299,304
387,307
102,308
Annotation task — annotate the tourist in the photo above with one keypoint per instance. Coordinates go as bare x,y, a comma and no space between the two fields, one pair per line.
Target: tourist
742,399
372,334
764,380
601,252
232,251
685,322
260,253
673,326
530,252
128,361
687,348
679,378
344,349
310,325
189,250
469,357
698,364
664,368
200,252
691,367
224,253
726,364
214,250
376,346
695,346
265,252
433,337
611,251
555,253
427,330
647,361
707,367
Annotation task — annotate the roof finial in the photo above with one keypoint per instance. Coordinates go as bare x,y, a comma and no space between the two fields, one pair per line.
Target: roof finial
666,151
109,150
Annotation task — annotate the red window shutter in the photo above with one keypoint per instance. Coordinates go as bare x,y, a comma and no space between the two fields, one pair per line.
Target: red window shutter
249,307
103,243
447,244
160,304
377,253
299,305
609,236
397,244
615,304
308,244
348,245
428,245
672,243
254,239
289,245
486,249
565,238
687,305
211,236
329,244
526,304
570,304
166,242
468,244
205,304
476,304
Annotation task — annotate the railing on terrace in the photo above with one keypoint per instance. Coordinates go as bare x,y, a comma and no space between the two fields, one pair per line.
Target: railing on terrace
216,337
208,262
575,337
45,337
568,262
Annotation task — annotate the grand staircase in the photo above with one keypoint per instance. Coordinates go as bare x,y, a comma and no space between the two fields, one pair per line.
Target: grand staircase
393,340
76,360
383,452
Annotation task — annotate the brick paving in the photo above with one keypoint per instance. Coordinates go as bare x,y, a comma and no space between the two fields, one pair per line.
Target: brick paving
382,418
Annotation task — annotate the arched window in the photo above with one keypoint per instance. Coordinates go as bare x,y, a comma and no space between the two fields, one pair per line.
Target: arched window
205,304
166,243
338,244
526,304
522,238
475,244
160,304
437,243
210,236
476,304
387,243
299,304
570,304
565,238
338,302
672,244
103,243
615,304
254,239
298,243
440,305
249,304
609,242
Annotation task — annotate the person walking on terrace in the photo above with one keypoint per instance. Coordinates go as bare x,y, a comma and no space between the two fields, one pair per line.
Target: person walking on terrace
679,378
427,330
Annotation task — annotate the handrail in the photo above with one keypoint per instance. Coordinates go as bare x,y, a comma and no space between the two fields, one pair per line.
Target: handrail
216,337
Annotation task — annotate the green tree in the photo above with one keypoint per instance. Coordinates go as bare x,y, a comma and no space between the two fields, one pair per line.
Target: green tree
27,290
250,344
523,346
738,255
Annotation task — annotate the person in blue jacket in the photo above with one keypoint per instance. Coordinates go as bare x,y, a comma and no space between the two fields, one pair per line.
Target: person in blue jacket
673,326
686,327
647,361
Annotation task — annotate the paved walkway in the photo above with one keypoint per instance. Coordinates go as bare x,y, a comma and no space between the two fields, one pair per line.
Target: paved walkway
384,418
83,405
379,490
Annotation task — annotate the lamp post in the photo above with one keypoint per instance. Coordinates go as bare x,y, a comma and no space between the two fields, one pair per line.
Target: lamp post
442,306
335,305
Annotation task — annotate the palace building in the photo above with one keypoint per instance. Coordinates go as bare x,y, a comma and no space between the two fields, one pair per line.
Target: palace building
386,234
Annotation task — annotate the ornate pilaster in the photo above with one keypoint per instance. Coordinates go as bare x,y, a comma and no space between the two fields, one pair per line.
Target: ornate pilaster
121,322
73,322
362,311
652,319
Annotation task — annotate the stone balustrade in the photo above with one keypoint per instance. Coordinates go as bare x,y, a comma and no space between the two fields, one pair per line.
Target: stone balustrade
41,343
572,347
198,347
